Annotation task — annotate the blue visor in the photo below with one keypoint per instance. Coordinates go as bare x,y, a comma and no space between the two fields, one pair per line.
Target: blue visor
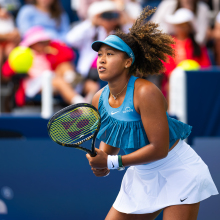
115,42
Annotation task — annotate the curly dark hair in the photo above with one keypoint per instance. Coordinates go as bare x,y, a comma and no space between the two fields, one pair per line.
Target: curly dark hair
150,45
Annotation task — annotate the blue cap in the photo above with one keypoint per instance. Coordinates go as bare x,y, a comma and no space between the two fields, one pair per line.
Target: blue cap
115,42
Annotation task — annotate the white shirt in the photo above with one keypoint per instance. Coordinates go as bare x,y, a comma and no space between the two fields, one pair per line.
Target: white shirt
6,25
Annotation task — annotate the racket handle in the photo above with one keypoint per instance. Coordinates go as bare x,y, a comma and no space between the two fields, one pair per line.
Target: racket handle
93,154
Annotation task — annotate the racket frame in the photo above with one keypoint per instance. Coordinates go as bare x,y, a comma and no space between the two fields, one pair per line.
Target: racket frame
76,145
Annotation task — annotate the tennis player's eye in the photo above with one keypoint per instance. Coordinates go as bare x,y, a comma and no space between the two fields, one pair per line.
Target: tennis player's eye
99,54
109,54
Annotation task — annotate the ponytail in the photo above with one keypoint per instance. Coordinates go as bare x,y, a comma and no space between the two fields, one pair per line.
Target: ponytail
150,45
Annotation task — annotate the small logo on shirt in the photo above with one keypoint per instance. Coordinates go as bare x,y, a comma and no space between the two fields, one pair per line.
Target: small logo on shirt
181,200
112,113
128,109
113,165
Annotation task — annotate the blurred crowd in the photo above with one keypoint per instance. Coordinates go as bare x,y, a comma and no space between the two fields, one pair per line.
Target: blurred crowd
60,33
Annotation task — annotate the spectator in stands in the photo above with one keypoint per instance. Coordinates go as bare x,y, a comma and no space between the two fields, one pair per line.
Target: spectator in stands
11,6
103,19
9,35
214,6
47,14
200,10
216,36
185,46
49,55
130,9
81,7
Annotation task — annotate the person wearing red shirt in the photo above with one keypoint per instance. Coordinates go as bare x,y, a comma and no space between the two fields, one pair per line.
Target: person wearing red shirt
185,45
49,55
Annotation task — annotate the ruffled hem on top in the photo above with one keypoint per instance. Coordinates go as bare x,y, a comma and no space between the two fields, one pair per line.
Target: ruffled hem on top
177,130
126,135
121,134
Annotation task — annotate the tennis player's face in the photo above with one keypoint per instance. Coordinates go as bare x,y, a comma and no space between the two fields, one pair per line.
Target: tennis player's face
111,63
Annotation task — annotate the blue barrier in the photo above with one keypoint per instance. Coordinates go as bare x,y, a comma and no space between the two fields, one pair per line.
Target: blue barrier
49,181
26,126
195,99
208,149
203,103
42,180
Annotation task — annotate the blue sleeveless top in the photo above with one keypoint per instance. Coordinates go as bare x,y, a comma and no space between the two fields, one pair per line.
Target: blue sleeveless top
122,127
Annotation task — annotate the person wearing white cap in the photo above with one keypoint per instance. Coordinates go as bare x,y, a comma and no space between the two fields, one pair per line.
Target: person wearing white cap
103,19
183,23
130,7
200,10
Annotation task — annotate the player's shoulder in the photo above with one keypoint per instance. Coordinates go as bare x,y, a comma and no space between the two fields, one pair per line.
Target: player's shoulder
145,88
147,92
96,97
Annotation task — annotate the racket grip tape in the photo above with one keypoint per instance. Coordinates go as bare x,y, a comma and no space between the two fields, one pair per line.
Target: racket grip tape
93,154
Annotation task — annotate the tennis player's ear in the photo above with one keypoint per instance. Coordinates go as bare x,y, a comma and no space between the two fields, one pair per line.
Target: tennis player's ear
128,62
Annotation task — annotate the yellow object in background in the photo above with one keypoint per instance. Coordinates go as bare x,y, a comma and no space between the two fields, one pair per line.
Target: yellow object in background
21,59
189,65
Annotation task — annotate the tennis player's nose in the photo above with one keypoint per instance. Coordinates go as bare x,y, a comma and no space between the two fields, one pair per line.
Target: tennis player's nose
102,59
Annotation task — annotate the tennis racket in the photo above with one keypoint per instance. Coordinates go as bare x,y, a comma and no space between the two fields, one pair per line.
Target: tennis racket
75,124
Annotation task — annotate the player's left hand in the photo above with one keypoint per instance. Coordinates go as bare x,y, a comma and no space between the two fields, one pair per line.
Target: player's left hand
101,172
99,161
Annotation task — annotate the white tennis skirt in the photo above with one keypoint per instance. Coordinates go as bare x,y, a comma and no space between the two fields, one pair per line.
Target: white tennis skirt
180,178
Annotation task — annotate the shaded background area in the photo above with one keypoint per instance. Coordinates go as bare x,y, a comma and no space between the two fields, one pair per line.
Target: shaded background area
40,179
52,182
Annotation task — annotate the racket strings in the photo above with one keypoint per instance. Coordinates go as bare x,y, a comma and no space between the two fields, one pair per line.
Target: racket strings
73,135
75,126
70,136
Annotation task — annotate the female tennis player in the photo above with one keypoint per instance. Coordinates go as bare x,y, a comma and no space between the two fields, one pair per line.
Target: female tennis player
165,173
